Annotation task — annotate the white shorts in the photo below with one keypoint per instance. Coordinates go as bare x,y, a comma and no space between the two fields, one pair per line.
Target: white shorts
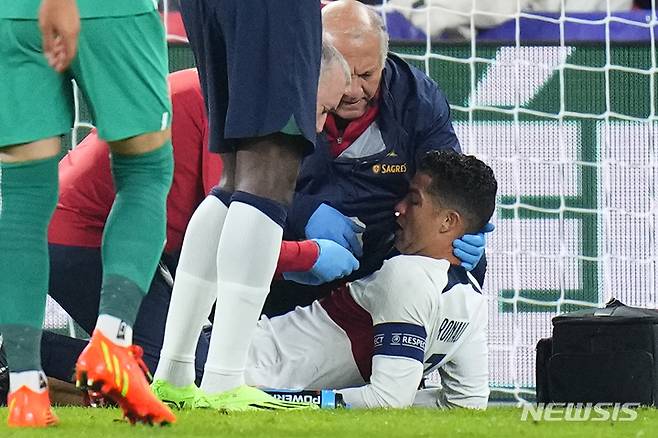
303,349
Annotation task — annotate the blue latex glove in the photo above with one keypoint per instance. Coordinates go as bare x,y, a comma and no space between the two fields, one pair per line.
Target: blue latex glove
328,223
333,262
470,248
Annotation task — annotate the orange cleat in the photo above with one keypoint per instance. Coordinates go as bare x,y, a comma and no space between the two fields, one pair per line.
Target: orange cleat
120,374
30,409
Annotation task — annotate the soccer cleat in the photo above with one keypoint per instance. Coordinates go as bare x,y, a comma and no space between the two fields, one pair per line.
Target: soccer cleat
119,373
248,398
186,397
28,408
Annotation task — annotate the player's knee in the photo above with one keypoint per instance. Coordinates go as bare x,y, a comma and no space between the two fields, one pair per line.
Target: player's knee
227,179
276,179
266,189
270,208
141,144
29,196
147,173
36,150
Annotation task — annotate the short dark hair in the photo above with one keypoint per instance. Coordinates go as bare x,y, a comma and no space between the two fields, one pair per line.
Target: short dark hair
461,182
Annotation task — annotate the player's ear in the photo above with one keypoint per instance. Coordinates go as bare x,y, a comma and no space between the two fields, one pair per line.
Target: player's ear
451,221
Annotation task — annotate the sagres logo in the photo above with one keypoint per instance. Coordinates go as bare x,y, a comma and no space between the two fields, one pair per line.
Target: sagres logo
389,168
580,412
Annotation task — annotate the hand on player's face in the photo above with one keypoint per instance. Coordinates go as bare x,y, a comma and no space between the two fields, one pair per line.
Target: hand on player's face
364,58
330,89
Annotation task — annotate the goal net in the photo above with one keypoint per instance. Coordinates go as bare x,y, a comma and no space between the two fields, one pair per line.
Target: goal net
567,119
569,126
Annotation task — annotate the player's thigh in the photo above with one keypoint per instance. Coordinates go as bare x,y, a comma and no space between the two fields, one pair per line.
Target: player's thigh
227,179
301,349
273,50
272,363
37,102
206,38
122,70
268,166
140,144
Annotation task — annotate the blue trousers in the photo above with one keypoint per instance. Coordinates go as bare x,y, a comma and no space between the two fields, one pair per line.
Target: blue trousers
75,283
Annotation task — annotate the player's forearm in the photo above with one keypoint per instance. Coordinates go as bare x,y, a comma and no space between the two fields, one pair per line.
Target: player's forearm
370,397
393,384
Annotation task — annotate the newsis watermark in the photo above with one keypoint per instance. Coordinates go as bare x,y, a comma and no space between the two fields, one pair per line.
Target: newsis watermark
579,412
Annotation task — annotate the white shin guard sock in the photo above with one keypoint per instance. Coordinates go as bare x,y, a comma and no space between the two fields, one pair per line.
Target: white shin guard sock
199,253
248,252
195,291
191,302
35,380
115,329
231,337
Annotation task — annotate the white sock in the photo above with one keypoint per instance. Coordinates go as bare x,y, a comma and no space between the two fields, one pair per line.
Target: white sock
34,379
115,329
247,257
195,291
191,302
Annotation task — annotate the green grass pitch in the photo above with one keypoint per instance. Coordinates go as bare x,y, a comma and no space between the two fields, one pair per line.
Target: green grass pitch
495,422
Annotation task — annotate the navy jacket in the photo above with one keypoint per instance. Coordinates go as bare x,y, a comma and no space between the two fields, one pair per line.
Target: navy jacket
414,117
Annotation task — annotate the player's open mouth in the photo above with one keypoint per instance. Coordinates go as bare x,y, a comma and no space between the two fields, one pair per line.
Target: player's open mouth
351,103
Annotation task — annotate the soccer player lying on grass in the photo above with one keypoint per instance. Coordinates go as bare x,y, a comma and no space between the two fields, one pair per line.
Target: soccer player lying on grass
85,199
375,338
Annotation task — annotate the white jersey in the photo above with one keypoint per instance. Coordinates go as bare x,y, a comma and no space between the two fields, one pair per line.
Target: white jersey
376,338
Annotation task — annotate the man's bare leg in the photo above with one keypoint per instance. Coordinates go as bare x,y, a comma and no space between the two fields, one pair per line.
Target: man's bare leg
265,175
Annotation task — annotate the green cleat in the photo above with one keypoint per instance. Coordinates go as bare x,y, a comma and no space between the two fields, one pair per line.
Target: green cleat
248,398
186,397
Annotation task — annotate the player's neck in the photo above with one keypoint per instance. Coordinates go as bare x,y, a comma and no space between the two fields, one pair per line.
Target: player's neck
454,260
441,251
449,256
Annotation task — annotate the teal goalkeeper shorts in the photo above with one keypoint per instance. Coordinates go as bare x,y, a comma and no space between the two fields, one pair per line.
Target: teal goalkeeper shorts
121,68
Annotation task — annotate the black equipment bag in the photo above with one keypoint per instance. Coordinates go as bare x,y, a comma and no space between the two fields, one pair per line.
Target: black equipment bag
603,355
